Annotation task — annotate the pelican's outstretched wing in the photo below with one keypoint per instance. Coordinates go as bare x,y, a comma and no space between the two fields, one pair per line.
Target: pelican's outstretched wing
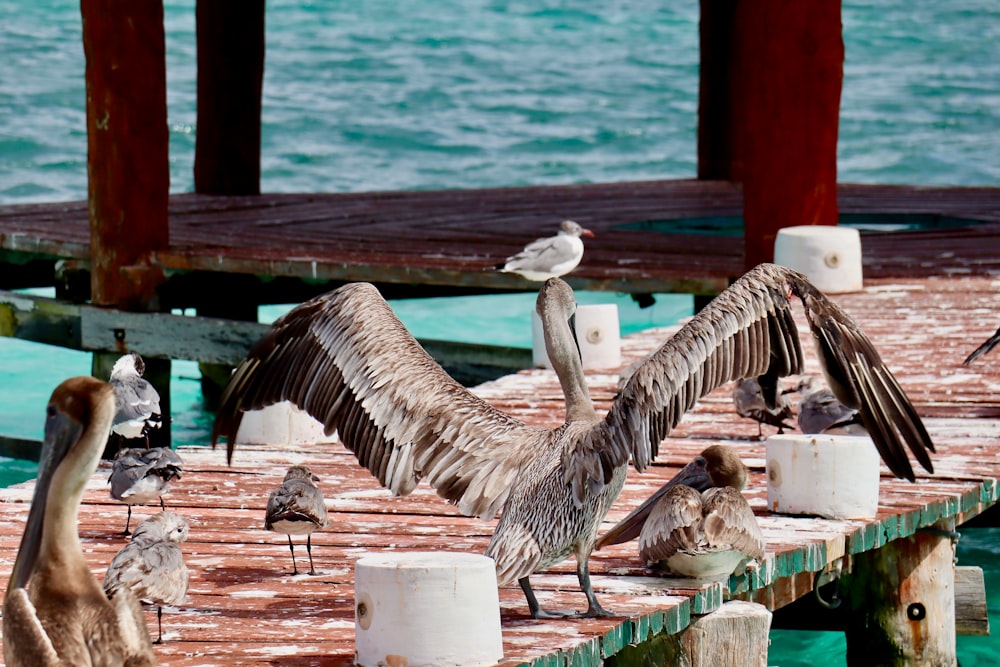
748,331
346,359
987,345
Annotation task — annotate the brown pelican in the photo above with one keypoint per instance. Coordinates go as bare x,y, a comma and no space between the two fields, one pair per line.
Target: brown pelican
698,524
821,412
140,476
54,611
296,507
549,257
348,361
137,401
988,345
763,406
152,565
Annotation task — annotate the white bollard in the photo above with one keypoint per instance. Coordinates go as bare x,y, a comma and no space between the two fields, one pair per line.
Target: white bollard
833,476
829,256
280,424
426,608
597,332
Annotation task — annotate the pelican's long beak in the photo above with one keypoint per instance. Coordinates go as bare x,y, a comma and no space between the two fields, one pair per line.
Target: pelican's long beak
61,433
629,528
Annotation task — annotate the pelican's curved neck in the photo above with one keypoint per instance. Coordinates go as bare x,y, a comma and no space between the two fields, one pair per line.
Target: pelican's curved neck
561,346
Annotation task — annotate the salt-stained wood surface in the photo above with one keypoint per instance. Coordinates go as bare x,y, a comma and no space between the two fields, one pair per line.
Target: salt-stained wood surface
245,607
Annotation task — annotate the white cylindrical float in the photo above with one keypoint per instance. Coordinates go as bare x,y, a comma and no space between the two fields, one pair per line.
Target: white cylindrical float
280,424
833,476
829,256
597,332
426,608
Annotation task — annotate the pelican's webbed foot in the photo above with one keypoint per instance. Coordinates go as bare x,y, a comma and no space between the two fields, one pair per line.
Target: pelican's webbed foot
536,609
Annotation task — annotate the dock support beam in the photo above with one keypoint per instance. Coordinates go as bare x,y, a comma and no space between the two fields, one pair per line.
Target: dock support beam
769,109
735,635
902,602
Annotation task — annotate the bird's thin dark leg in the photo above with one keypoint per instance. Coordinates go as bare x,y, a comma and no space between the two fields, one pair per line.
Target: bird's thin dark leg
312,570
535,608
594,607
162,506
128,519
159,624
291,547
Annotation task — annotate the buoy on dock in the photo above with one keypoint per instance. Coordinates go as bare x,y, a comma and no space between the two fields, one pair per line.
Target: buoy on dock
598,334
833,476
829,256
426,608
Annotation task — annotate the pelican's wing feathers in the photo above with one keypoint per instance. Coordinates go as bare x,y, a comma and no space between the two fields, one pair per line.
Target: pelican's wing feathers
346,359
730,523
748,331
673,525
987,345
23,634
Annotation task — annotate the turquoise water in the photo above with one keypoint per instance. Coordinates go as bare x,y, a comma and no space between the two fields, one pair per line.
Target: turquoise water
388,95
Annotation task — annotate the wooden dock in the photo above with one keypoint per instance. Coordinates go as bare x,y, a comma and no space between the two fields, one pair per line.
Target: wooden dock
245,607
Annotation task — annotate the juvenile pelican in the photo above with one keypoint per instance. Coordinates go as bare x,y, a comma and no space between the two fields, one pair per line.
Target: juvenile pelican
55,612
138,403
987,345
152,564
297,507
347,360
549,257
763,406
140,476
698,524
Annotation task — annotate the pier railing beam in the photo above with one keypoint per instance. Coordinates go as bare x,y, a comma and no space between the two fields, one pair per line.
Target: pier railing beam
769,109
901,601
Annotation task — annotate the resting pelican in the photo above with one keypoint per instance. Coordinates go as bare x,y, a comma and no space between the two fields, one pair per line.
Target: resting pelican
987,345
140,476
152,564
348,361
64,618
297,507
764,407
137,400
549,257
698,524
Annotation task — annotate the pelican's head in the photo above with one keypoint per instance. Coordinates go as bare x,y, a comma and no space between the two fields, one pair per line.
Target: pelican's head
716,466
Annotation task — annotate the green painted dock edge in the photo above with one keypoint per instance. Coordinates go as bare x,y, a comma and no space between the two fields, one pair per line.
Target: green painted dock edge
810,557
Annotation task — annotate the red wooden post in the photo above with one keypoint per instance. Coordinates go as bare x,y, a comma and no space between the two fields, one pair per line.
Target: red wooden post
230,77
780,71
127,164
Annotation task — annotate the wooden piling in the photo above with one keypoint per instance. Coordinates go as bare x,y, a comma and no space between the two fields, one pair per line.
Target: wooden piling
901,602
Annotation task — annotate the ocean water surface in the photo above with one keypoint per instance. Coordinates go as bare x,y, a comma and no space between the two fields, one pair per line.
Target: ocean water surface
385,95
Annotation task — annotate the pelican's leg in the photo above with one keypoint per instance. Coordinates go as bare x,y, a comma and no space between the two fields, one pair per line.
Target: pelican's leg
291,547
535,608
594,607
309,550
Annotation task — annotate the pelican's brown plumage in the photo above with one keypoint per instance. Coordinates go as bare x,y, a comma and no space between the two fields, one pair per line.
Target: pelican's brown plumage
698,524
348,361
55,611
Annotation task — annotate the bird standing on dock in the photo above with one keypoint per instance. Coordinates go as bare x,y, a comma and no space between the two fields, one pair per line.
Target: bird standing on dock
347,360
140,476
821,412
698,524
138,403
763,406
152,564
54,611
987,345
549,257
297,507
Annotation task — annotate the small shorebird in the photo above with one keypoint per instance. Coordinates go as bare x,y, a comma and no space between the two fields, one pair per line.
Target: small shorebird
763,406
65,618
698,524
988,345
346,359
140,476
821,412
550,257
296,507
152,565
138,403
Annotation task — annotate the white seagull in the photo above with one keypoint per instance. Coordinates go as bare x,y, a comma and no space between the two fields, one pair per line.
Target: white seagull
297,507
137,401
550,257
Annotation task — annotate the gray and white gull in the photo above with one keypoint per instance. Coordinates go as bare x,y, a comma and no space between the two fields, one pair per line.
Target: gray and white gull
296,507
549,257
140,476
137,401
347,360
